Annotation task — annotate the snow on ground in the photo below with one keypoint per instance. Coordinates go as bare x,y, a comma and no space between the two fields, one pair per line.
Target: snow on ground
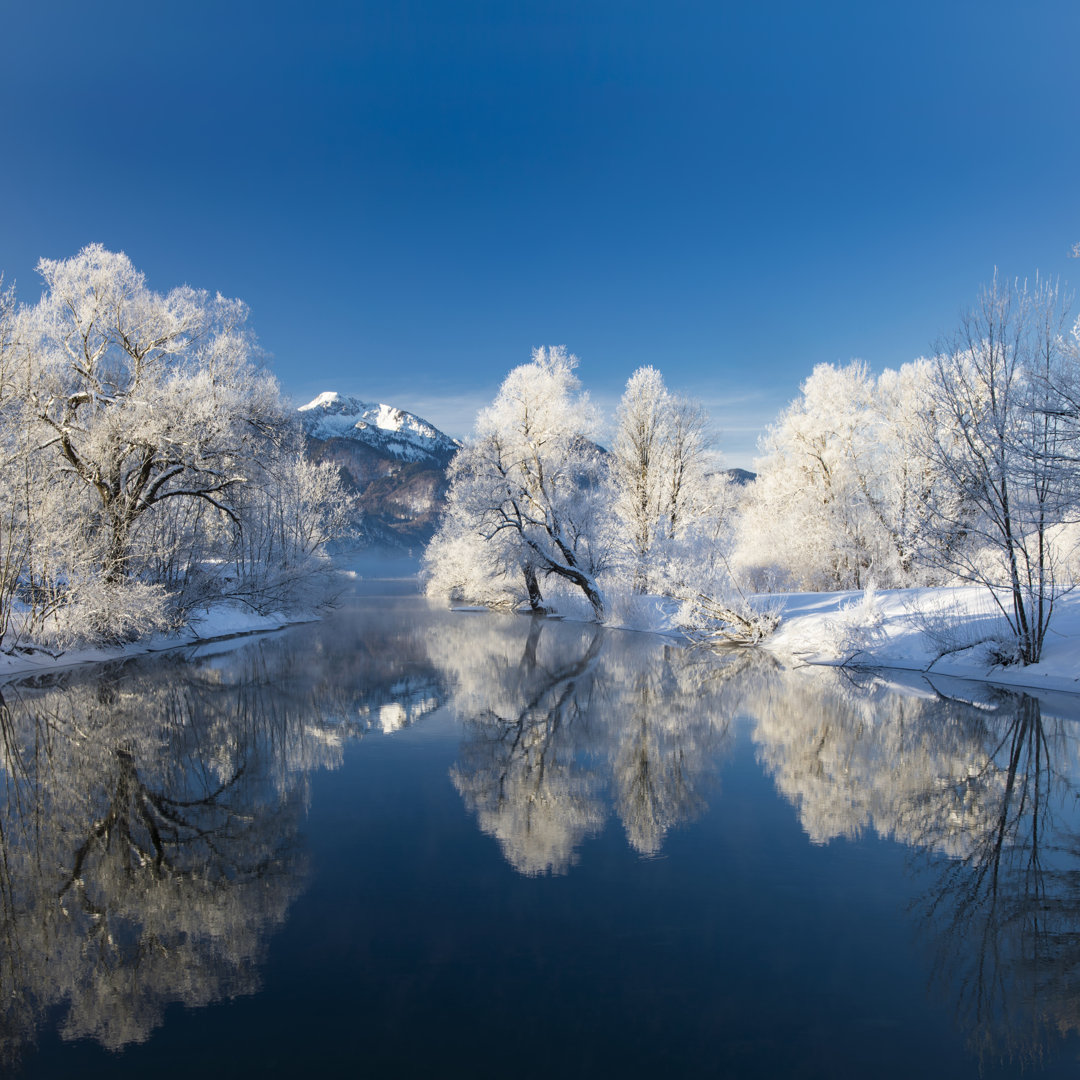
941,631
371,573
948,633
220,622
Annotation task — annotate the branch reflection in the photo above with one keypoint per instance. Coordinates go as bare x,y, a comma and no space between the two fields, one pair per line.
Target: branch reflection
150,814
984,791
555,715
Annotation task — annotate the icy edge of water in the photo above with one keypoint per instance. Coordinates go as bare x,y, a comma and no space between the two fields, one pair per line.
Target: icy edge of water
223,621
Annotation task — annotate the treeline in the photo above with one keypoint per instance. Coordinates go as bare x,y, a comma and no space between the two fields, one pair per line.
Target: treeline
961,467
150,464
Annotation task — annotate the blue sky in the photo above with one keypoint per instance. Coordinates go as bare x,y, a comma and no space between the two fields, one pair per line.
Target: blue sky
411,196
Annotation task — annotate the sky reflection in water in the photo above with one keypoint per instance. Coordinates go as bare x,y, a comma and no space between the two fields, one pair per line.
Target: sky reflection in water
408,839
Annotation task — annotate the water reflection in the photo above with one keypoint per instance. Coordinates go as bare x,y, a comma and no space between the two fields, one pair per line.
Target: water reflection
150,816
986,779
982,790
559,721
144,851
1005,917
526,723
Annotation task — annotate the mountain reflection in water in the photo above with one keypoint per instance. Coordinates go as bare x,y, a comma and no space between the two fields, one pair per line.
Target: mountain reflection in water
153,814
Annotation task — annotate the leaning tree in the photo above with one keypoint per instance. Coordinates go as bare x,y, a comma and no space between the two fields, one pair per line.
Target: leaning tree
528,489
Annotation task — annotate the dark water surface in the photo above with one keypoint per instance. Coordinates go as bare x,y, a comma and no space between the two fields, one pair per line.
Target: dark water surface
407,842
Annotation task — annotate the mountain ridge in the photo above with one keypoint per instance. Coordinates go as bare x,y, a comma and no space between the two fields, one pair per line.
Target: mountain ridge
393,460
386,428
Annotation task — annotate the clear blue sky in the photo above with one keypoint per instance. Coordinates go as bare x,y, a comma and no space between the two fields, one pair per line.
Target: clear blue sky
410,196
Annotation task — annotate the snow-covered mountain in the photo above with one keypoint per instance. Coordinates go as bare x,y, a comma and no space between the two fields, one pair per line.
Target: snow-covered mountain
384,428
394,461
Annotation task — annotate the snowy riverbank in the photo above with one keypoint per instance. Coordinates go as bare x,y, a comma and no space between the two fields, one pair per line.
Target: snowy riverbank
219,622
941,631
368,572
950,632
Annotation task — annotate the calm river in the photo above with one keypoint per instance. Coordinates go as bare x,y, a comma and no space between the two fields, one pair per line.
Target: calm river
411,842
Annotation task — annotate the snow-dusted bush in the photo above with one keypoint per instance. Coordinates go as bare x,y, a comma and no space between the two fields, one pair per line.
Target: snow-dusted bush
100,612
459,567
958,623
857,625
714,604
731,619
631,610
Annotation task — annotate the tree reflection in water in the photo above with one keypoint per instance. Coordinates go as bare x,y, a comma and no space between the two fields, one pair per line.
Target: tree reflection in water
149,818
150,814
984,793
1006,916
554,719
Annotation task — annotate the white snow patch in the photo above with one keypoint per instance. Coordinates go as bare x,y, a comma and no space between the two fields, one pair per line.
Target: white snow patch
940,631
945,633
327,397
223,621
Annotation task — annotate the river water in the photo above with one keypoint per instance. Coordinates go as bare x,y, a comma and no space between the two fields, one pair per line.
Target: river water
407,841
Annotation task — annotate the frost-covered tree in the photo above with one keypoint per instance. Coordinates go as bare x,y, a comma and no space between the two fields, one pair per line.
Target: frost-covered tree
13,533
141,397
638,474
463,567
688,441
840,494
805,516
1000,445
899,484
528,488
147,457
658,472
287,520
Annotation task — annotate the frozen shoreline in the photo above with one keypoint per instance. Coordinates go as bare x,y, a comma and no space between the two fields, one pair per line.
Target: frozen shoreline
214,625
361,569
930,631
935,631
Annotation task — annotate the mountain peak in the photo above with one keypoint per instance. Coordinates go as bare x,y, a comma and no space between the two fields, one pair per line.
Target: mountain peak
385,427
326,400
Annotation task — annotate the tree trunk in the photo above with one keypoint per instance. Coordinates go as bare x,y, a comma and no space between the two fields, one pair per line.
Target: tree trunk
536,600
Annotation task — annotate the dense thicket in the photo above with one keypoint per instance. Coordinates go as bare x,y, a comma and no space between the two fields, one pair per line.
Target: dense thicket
962,467
538,512
149,464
